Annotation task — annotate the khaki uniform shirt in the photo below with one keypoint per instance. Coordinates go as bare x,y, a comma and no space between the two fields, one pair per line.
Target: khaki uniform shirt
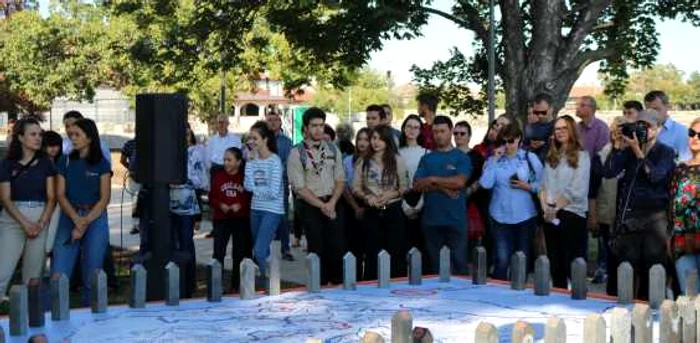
323,167
370,181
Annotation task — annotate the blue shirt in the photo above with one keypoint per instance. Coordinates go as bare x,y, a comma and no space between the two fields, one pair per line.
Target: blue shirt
82,179
284,147
675,135
27,183
512,205
68,148
538,132
349,166
439,209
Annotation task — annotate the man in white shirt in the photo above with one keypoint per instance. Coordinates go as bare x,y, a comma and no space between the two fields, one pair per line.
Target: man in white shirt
68,120
218,143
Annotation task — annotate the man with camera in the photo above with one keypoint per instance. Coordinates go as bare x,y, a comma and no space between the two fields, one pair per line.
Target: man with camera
641,231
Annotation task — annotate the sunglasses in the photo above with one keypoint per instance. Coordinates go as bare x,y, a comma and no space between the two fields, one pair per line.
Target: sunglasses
504,141
540,113
459,133
692,133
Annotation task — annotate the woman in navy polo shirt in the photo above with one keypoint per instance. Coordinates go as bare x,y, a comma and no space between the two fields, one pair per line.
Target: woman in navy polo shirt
83,191
27,190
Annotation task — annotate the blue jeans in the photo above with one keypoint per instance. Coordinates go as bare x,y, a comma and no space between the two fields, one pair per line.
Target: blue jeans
454,238
283,229
685,264
91,249
507,239
263,225
183,251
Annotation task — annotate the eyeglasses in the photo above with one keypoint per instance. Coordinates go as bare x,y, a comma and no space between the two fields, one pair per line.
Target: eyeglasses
561,128
692,133
459,133
540,113
413,127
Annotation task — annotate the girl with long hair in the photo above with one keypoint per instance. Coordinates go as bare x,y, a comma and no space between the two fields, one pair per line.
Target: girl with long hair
263,178
564,199
27,191
381,180
411,150
354,208
230,203
83,191
52,146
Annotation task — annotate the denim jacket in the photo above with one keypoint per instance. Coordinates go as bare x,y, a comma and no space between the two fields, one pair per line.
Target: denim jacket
183,198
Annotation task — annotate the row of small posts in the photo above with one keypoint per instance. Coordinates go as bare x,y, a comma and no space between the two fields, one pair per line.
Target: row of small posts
26,306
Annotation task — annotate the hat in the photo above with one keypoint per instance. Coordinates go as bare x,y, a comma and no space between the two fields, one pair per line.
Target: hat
650,116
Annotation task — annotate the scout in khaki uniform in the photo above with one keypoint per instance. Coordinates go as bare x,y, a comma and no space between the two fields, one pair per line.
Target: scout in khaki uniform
315,171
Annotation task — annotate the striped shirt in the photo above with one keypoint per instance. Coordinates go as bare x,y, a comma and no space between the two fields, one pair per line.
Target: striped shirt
263,178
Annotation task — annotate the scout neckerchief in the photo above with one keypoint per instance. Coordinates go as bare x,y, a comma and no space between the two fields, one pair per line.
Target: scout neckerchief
318,167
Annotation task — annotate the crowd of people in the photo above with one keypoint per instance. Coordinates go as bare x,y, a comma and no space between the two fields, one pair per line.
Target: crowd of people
540,188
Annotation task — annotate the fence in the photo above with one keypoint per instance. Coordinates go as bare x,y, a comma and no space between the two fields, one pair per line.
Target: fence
677,320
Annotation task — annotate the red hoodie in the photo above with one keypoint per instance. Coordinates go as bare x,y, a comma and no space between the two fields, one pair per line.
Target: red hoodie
228,189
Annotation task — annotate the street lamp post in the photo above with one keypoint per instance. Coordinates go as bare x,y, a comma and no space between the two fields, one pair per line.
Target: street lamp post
492,61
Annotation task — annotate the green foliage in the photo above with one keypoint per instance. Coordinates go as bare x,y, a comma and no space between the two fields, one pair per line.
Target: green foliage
541,46
41,59
367,87
683,93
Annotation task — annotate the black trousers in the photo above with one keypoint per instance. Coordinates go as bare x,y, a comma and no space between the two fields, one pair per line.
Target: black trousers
355,238
565,243
298,224
385,230
642,249
238,230
325,238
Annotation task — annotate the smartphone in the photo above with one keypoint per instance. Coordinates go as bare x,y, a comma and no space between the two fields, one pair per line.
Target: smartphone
513,178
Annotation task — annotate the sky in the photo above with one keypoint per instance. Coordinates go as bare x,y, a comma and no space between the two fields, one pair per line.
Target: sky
440,35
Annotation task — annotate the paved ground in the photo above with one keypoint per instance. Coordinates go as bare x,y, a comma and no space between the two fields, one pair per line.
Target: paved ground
121,223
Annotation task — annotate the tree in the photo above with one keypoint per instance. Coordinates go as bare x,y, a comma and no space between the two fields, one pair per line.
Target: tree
42,59
542,45
368,87
665,77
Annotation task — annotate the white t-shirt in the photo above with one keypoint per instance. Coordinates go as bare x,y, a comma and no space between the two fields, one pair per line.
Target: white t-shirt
217,145
411,157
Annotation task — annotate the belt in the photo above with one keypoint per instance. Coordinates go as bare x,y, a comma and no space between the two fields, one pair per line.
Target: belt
30,204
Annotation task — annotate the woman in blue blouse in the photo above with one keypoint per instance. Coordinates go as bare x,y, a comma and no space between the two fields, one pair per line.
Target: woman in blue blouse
514,176
83,191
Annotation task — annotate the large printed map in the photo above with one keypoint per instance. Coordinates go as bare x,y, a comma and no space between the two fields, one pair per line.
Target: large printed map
451,311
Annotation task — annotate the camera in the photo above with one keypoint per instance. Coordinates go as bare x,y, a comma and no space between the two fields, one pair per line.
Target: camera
637,128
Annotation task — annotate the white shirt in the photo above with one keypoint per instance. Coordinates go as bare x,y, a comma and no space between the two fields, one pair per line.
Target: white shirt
217,145
569,183
68,147
411,158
